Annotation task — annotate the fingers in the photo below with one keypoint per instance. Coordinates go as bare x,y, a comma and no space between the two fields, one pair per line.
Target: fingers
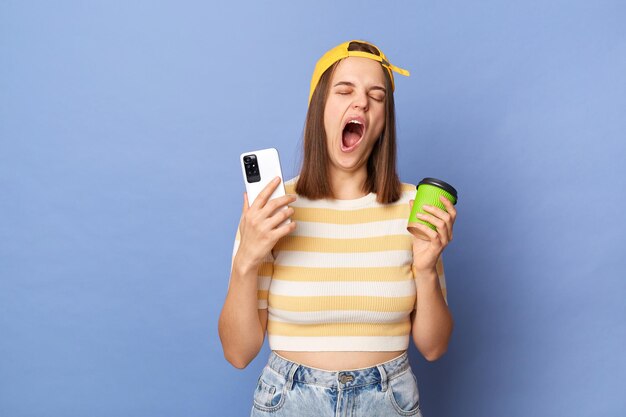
277,211
266,193
434,236
280,216
443,222
449,207
442,226
276,203
283,230
440,218
441,232
267,218
452,212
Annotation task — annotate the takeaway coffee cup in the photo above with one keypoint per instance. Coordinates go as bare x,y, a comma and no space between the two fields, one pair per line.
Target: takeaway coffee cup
428,192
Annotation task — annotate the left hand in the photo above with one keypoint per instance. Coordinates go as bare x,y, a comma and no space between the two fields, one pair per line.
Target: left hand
427,252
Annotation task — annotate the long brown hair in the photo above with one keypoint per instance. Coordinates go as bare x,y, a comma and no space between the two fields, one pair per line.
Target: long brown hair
382,178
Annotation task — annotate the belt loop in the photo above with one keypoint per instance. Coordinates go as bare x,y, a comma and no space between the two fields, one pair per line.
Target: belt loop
292,371
383,378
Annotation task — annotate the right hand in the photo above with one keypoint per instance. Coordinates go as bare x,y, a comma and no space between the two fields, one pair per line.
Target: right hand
259,226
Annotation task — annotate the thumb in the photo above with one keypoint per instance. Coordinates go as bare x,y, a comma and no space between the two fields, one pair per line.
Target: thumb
411,203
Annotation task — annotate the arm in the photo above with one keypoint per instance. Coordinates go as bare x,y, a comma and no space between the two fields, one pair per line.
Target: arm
242,324
432,322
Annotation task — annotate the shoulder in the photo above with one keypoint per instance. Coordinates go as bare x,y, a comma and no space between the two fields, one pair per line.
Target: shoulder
290,185
407,191
407,186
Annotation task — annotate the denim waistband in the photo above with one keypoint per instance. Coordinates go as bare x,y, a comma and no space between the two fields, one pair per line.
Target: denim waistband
381,373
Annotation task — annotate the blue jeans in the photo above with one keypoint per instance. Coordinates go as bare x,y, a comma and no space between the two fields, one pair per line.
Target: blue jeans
289,389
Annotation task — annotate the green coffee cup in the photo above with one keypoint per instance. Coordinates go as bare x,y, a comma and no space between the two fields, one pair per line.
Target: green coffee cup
428,192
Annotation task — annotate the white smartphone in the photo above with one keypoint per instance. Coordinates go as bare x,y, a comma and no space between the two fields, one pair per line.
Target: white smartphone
259,168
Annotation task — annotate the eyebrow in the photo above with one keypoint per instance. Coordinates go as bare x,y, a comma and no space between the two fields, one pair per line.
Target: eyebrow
348,83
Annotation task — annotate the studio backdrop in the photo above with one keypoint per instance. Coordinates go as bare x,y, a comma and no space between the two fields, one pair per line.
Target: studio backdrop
121,124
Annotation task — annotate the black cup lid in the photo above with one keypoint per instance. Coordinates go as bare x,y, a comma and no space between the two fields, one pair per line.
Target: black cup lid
440,184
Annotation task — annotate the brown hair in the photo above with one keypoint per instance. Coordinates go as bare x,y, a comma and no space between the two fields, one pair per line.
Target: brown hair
382,178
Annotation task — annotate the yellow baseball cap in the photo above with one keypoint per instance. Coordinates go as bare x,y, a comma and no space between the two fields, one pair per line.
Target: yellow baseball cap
340,52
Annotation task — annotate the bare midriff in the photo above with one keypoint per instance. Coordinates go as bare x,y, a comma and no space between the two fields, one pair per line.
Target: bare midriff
339,361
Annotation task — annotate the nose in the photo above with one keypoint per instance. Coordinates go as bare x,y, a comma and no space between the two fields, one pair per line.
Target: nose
360,101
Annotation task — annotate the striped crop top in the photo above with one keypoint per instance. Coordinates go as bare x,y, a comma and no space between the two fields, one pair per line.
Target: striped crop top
342,280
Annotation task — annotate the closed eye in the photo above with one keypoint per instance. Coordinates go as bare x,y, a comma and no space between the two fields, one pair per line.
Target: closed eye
378,93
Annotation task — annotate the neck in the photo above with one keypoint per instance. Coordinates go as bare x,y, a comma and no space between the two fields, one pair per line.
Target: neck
348,185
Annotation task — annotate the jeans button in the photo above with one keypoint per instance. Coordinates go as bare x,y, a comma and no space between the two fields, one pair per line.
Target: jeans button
343,378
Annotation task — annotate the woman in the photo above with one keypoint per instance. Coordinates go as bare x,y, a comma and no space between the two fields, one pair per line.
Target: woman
344,282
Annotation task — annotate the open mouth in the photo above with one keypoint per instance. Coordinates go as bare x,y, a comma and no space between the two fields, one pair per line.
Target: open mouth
352,135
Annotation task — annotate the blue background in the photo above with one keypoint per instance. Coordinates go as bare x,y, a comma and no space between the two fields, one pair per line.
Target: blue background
120,191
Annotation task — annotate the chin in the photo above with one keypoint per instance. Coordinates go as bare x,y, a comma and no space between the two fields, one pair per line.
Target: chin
350,161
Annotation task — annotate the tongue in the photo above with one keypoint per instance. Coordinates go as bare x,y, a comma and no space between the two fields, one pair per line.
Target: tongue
350,138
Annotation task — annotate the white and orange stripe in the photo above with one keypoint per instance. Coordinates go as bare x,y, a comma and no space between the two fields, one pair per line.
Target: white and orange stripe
342,280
